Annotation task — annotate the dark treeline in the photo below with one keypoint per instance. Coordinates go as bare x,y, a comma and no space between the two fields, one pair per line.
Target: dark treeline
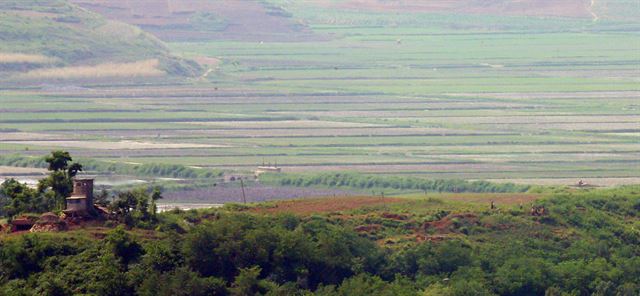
365,181
104,167
586,245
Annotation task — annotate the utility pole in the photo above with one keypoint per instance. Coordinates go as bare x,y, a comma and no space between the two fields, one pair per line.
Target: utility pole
244,197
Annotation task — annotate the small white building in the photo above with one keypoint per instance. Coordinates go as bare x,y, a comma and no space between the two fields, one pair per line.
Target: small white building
267,169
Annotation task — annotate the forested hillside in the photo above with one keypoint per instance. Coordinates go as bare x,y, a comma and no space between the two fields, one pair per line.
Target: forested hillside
583,243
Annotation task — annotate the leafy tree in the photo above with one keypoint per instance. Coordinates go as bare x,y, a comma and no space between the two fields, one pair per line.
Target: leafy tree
54,287
430,259
111,280
163,256
363,284
247,283
136,207
451,255
102,198
122,246
58,185
199,246
437,289
181,282
470,288
156,195
19,198
523,276
58,160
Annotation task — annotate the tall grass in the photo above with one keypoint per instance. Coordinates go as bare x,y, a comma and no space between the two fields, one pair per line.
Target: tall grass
145,68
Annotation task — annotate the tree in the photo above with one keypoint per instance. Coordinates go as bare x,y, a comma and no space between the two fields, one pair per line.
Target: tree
364,284
110,279
156,195
523,276
60,179
136,207
247,282
470,288
122,246
19,198
181,282
102,198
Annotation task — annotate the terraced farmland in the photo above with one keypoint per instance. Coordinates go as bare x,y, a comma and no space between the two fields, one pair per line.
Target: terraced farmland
431,95
233,130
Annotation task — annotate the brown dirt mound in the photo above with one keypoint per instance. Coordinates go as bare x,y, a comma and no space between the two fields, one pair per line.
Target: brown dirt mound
449,223
49,227
368,228
431,238
329,204
49,217
393,216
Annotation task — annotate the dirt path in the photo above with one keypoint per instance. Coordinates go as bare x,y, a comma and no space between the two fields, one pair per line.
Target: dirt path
206,74
592,12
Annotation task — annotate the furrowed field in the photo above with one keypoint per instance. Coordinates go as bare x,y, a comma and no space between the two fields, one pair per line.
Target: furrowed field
513,99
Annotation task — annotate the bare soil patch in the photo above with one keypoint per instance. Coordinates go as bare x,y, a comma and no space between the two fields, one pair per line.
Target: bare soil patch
295,131
582,126
20,136
542,120
567,8
283,124
554,95
254,192
16,171
146,68
121,145
8,58
208,61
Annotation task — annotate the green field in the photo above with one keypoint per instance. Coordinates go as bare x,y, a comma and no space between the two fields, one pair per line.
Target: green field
431,95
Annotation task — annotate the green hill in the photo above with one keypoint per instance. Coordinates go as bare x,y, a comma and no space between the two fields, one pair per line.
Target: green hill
47,39
574,242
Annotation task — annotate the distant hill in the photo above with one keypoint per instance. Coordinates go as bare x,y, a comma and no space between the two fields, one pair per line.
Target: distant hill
286,20
54,39
198,20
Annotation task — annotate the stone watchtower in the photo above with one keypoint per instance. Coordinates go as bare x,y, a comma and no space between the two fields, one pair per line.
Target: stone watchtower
80,202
